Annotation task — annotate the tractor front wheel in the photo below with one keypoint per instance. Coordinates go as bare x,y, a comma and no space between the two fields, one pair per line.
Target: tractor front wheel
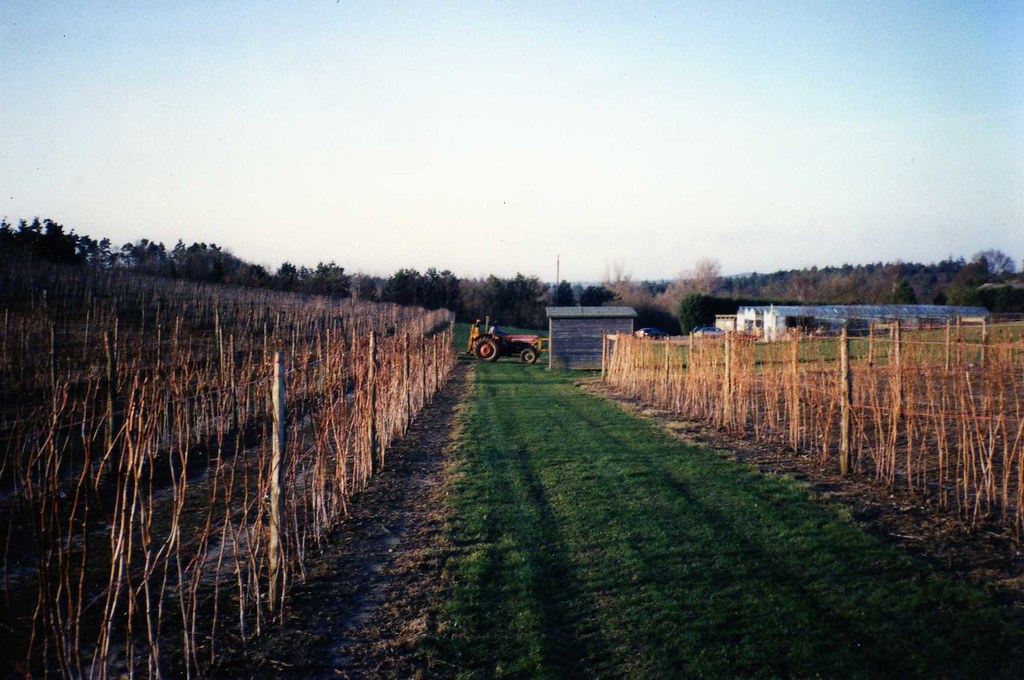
528,356
487,350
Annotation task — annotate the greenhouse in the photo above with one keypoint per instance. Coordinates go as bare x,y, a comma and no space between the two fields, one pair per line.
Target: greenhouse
772,322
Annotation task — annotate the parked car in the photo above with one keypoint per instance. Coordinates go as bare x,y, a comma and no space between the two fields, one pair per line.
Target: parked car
650,333
707,331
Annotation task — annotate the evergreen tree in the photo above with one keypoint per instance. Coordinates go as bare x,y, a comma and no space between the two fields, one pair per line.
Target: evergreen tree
564,296
595,296
903,294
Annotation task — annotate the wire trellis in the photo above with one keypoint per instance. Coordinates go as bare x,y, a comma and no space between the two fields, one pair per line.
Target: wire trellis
941,415
136,418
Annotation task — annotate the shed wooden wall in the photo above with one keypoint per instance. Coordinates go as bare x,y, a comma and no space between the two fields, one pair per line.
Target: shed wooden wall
576,342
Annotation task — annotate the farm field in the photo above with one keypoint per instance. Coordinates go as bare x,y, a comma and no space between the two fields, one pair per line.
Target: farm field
174,454
521,527
459,341
586,542
939,415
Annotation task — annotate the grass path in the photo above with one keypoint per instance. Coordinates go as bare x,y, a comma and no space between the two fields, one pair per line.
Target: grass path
589,544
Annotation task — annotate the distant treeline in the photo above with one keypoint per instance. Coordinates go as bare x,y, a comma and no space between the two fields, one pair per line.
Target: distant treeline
987,280
692,299
517,301
951,281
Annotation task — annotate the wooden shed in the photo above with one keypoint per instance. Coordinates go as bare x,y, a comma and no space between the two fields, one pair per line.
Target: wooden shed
576,333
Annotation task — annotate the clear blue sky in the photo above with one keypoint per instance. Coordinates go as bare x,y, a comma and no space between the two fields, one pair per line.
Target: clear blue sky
487,137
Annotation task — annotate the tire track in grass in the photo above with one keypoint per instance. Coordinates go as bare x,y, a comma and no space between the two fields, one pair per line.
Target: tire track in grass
776,557
516,550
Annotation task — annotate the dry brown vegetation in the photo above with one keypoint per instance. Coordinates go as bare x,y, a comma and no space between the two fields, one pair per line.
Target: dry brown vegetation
136,422
939,412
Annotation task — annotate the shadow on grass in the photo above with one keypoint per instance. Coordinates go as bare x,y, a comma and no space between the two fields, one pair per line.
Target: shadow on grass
517,612
749,578
593,545
560,645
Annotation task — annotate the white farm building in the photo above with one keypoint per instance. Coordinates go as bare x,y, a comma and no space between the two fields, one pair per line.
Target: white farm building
773,322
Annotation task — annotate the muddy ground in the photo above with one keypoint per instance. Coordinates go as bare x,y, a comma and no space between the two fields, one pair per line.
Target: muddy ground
374,595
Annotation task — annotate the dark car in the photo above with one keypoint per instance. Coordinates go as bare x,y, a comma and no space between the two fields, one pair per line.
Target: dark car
650,333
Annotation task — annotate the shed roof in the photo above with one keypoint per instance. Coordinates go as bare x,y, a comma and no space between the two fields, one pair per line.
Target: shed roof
872,311
590,312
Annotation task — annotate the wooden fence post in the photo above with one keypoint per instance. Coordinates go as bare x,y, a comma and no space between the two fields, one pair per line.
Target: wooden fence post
406,381
232,378
371,380
6,334
959,342
219,333
949,333
897,345
111,390
437,367
604,357
667,359
689,352
896,370
424,395
845,397
727,384
274,549
794,395
871,344
984,342
53,360
614,358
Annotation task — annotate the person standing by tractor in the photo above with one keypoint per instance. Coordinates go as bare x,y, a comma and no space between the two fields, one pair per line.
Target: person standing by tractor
474,335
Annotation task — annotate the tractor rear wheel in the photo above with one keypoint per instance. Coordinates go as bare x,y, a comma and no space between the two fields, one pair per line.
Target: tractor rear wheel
486,350
528,355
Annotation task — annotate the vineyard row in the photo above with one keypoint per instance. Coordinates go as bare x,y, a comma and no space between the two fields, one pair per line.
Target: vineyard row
942,417
145,524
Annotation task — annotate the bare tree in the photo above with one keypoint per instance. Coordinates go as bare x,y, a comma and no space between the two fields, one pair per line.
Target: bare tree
705,275
618,280
996,261
703,279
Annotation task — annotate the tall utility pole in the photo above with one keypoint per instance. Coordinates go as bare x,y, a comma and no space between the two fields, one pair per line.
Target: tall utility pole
558,267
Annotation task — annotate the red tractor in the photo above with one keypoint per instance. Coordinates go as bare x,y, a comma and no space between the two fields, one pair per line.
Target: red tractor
494,343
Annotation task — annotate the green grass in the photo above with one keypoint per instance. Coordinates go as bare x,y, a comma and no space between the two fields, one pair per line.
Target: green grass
589,544
927,345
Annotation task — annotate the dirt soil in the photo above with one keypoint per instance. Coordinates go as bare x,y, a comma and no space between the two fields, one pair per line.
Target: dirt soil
985,553
373,594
